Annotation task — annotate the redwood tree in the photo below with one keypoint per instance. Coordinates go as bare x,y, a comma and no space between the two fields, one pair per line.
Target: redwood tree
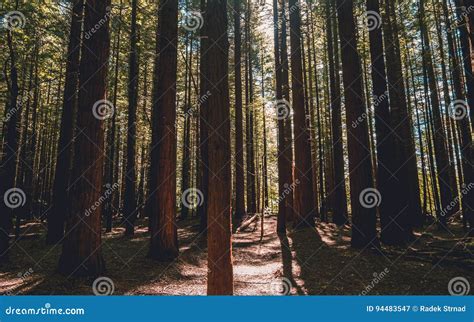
164,235
219,247
441,153
130,200
239,140
340,205
409,211
56,217
305,209
360,165
81,255
387,182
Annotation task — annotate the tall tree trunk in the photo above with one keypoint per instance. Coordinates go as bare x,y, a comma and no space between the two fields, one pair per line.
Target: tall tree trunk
239,140
467,195
9,160
265,203
467,51
251,170
219,244
130,199
56,217
203,124
340,204
164,235
282,163
312,109
112,142
409,213
59,208
288,137
387,183
186,147
441,154
81,255
360,164
305,210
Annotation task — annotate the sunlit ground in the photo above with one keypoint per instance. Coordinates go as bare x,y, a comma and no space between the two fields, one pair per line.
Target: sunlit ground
304,263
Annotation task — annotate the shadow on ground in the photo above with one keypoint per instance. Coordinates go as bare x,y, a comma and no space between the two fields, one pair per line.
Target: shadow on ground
310,261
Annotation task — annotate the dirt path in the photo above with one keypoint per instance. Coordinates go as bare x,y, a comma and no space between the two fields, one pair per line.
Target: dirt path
303,263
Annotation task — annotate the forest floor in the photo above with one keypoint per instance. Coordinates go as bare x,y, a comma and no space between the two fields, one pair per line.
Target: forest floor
313,261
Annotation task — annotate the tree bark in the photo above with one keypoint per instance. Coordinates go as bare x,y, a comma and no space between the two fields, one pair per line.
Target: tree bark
203,125
360,164
219,245
56,217
441,154
130,199
305,210
409,211
164,235
81,255
239,140
340,204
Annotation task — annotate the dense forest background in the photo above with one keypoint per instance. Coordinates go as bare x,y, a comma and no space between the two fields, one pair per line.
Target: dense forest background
236,147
